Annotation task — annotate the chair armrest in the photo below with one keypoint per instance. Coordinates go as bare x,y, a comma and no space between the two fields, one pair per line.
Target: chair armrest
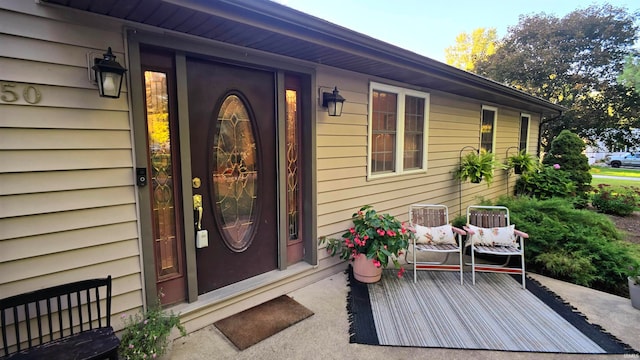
458,231
469,231
521,234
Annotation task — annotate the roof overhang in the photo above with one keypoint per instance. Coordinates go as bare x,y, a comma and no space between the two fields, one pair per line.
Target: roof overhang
268,26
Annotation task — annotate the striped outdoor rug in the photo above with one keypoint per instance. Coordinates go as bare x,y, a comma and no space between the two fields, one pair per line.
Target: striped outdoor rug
495,314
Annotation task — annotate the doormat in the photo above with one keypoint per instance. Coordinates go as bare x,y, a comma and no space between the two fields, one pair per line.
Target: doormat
259,322
495,314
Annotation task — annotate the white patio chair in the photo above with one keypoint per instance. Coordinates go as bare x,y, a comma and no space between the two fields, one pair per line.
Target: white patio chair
490,232
434,234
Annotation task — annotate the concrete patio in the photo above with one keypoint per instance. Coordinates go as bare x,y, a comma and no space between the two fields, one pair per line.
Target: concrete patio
325,334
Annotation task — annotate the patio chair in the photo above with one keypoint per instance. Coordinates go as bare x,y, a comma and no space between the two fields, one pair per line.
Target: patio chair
490,232
434,234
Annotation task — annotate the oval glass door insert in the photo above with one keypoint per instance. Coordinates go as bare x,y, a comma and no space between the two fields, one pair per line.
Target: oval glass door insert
235,174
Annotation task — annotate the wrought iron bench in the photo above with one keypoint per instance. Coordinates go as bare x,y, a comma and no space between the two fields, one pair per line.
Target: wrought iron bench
69,321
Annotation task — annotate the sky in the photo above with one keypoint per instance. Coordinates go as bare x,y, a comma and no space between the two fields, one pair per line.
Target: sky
428,27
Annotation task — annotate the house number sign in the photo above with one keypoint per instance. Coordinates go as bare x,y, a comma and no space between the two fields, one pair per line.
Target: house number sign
10,92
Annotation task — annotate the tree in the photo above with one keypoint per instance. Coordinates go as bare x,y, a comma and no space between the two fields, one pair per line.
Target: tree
573,61
471,48
630,76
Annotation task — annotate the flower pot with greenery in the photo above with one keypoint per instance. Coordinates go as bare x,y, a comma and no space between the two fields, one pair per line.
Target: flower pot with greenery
522,162
146,336
375,239
634,286
476,166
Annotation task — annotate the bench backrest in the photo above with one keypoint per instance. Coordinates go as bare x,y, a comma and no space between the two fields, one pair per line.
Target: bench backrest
47,314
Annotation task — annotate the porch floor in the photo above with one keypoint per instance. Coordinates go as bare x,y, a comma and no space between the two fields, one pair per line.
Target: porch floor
325,334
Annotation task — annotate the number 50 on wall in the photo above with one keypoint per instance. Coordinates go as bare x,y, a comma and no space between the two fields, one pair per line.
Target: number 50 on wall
10,92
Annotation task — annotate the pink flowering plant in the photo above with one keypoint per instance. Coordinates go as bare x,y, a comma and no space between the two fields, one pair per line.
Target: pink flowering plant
147,336
379,237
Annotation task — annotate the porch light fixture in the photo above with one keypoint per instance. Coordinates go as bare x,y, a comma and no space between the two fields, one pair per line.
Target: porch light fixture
333,102
109,74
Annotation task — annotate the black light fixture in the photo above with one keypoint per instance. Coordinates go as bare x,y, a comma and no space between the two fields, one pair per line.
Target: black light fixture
109,74
333,102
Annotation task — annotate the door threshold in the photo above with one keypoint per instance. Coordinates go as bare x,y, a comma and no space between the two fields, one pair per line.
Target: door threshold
242,287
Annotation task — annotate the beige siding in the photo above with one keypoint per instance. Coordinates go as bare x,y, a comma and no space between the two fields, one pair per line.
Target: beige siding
342,156
66,184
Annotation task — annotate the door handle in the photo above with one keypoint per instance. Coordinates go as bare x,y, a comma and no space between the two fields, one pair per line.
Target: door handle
197,207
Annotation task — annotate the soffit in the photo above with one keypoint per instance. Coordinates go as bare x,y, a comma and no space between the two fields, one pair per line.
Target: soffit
271,27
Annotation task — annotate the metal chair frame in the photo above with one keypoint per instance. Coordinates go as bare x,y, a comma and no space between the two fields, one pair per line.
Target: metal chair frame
432,215
492,217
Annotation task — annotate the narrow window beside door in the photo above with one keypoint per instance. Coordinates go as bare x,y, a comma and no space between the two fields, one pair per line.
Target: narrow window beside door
162,167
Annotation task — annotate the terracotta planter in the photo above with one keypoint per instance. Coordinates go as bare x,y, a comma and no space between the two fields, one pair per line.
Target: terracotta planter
634,294
365,271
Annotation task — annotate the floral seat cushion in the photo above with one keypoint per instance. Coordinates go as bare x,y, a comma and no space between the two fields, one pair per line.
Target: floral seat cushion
438,235
497,236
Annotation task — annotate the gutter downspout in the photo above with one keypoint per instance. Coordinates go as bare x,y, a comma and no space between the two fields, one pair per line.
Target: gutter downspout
542,123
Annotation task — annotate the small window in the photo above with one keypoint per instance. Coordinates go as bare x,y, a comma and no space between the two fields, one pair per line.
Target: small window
488,128
524,132
398,119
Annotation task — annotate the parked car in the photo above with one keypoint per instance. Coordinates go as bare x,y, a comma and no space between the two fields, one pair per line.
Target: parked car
629,159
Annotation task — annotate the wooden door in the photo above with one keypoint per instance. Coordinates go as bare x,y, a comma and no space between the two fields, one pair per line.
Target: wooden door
233,159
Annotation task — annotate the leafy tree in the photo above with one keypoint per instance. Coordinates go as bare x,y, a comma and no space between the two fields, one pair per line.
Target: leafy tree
471,48
566,151
573,61
630,76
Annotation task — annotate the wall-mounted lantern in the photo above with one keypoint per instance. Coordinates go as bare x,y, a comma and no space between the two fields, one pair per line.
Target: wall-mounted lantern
109,74
333,102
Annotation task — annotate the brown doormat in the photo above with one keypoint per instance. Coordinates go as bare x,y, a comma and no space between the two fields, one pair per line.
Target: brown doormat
259,322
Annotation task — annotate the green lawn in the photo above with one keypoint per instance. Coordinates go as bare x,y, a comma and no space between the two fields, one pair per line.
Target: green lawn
607,171
602,170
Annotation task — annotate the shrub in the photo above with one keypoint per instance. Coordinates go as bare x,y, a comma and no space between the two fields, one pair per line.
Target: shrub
566,151
545,183
621,201
578,246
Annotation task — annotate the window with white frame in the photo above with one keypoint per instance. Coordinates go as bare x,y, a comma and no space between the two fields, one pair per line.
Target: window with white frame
525,120
398,123
488,128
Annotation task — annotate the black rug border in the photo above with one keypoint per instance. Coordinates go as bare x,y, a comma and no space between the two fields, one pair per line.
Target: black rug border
362,328
607,341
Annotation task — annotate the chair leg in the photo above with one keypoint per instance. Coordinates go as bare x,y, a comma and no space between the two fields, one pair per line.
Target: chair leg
523,274
415,270
473,265
461,266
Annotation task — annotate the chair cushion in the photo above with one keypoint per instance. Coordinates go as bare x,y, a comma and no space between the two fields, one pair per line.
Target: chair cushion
498,236
438,235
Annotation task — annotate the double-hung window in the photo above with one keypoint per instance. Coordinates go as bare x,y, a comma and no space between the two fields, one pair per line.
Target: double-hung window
488,128
398,124
525,120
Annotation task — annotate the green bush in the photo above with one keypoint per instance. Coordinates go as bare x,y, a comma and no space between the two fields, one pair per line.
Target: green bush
545,183
621,201
579,246
566,150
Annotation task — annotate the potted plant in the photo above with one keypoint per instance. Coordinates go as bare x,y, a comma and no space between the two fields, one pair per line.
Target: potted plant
371,243
147,336
522,162
634,286
476,166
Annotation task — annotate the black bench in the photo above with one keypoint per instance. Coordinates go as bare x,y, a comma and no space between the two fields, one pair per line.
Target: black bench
43,318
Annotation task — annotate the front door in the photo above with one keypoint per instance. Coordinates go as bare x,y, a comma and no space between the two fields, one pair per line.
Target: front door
233,159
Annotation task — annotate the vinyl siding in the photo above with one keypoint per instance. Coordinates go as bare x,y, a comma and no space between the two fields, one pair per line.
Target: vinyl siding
454,122
66,181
